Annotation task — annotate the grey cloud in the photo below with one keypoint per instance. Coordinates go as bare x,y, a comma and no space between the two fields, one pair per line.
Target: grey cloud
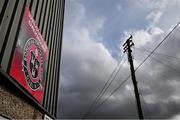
86,65
159,77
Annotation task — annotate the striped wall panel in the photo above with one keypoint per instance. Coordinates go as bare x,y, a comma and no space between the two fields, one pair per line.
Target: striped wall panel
49,15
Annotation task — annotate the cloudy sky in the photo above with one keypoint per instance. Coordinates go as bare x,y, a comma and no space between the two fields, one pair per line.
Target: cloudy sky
94,31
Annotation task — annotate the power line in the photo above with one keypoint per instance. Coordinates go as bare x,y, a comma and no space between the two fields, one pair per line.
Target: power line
157,60
124,81
158,45
137,66
166,65
112,80
106,86
155,53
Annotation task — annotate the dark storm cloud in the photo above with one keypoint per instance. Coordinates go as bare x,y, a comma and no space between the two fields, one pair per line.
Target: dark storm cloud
87,64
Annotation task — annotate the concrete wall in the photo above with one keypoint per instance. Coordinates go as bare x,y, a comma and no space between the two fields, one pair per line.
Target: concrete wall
15,107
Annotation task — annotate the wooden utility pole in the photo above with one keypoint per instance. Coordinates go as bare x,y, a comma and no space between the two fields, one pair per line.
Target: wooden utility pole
127,48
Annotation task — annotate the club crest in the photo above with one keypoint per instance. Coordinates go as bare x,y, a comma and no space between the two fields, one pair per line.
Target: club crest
33,63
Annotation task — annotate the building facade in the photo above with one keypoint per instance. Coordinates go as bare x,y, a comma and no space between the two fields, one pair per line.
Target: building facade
30,53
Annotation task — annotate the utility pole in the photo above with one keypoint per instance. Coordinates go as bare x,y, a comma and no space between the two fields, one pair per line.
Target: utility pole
127,48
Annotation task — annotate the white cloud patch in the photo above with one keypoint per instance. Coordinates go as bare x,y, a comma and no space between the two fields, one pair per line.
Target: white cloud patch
78,8
143,37
119,7
161,13
154,16
177,117
156,31
96,25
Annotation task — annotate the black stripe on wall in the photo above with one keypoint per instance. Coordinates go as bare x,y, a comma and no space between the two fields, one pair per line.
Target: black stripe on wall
49,16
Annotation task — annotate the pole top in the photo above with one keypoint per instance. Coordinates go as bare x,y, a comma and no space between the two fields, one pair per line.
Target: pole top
130,38
128,44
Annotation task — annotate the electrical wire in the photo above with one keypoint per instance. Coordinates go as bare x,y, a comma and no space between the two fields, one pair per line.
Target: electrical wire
159,61
155,53
137,67
158,45
122,83
105,87
112,79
